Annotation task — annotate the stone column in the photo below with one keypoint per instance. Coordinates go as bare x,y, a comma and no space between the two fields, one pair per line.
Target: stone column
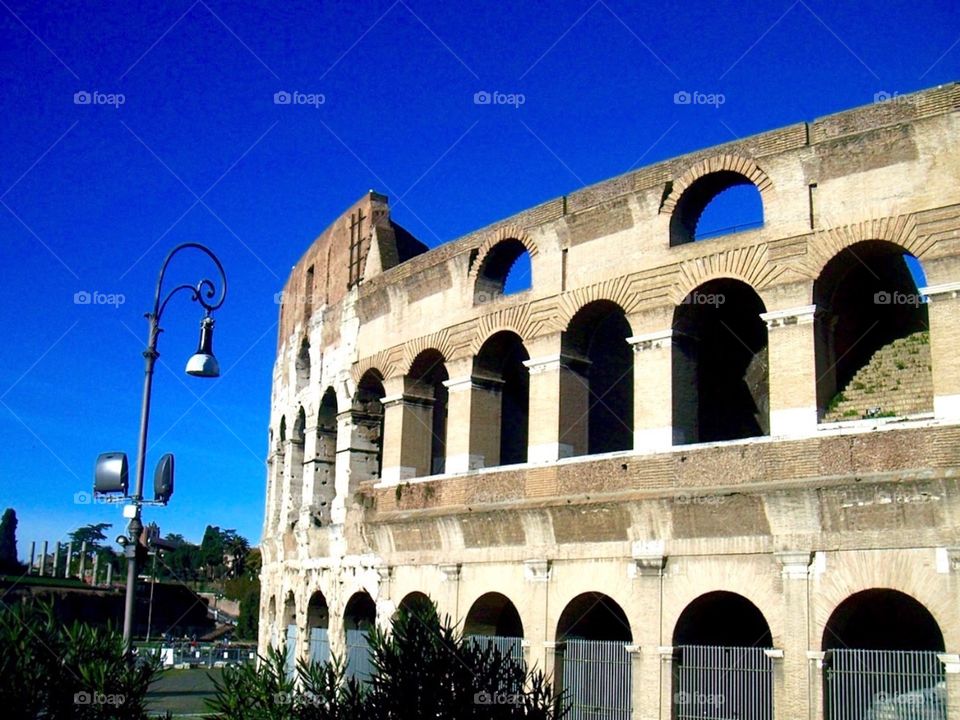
652,390
951,665
451,590
943,311
56,560
791,371
109,575
647,570
559,407
667,655
790,692
33,552
83,560
96,569
536,575
473,422
407,430
43,558
66,570
815,681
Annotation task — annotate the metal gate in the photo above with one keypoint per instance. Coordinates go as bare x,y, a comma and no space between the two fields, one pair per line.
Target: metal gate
597,676
722,683
511,647
319,645
884,685
359,662
291,663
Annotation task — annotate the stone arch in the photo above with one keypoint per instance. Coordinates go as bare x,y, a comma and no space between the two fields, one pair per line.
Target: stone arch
505,414
747,167
722,617
697,188
871,333
596,411
417,600
720,375
302,364
882,619
426,378
318,627
493,614
749,265
492,262
368,419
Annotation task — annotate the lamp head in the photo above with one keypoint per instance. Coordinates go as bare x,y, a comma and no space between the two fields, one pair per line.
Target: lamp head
202,363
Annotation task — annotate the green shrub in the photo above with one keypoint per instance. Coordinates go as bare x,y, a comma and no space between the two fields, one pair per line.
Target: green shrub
48,670
422,668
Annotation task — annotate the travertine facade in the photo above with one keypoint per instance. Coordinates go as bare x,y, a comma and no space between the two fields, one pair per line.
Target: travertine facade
705,466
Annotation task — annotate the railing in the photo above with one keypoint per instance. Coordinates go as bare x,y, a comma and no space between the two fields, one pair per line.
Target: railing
359,662
597,677
206,655
319,645
291,661
884,685
722,683
511,647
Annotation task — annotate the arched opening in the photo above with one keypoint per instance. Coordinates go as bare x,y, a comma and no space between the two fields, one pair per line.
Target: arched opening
303,365
503,400
872,334
506,269
290,622
297,442
720,666
720,372
418,603
326,458
880,659
716,204
596,406
273,622
283,428
359,618
428,373
493,620
368,420
318,627
593,664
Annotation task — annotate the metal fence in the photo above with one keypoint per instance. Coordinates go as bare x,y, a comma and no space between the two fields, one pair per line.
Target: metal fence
200,654
359,661
511,647
319,645
597,677
722,683
884,685
291,663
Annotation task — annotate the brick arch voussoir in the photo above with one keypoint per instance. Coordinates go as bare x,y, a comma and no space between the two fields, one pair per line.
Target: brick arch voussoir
718,163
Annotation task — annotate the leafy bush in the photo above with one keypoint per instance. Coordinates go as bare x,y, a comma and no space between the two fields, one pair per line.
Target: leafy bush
48,670
422,668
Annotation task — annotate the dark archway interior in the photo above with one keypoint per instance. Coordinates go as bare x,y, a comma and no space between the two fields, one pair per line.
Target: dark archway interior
417,602
318,614
290,610
691,206
501,361
283,429
493,614
496,267
720,373
368,416
303,365
594,616
360,613
429,370
598,333
866,297
882,619
722,619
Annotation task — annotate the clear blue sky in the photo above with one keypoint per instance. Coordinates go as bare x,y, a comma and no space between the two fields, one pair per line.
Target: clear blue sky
94,195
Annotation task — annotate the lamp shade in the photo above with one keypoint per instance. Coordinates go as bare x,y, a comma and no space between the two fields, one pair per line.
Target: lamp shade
203,363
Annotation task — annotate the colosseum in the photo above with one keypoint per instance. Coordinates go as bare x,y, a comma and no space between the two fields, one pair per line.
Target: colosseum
688,473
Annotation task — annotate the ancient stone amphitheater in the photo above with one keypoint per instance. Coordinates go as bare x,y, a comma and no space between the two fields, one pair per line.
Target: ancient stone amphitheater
690,474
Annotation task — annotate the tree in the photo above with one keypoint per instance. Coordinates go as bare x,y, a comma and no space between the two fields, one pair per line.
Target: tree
93,535
211,550
248,624
8,543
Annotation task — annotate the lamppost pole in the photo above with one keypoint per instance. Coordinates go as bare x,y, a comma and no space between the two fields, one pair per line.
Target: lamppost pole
201,364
